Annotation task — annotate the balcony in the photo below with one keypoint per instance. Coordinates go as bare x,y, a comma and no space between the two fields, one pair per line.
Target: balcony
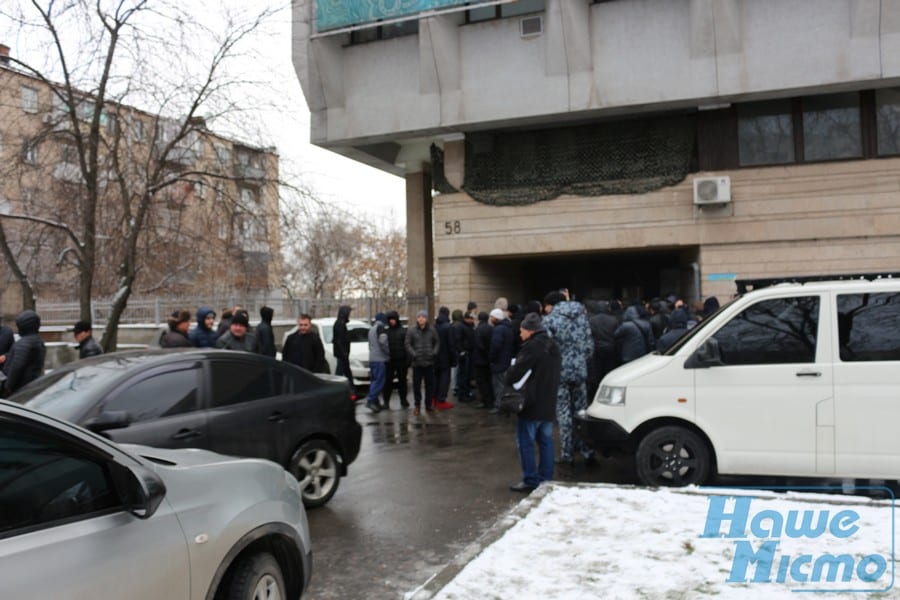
249,173
67,172
180,154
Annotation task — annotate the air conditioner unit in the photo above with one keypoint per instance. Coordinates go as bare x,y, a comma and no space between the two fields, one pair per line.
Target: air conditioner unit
712,191
530,26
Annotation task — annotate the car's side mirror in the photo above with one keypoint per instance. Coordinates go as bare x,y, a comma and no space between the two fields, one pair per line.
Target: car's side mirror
705,356
142,489
106,420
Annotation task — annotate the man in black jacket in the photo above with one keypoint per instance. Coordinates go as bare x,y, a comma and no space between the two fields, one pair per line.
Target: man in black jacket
25,361
87,346
264,334
398,364
481,361
304,347
536,374
340,345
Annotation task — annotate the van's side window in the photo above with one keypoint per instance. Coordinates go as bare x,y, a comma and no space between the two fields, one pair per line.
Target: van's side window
869,327
779,330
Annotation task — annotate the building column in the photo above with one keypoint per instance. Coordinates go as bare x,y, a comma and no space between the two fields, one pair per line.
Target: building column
419,238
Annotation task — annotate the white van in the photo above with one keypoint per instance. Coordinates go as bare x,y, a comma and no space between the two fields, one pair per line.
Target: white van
792,379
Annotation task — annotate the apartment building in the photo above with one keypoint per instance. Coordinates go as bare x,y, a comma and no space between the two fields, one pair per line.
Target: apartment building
631,148
212,220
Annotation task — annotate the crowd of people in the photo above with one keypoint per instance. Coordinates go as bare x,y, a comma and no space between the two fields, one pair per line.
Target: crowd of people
483,354
555,352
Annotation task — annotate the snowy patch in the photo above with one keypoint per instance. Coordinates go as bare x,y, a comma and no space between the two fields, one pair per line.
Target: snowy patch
601,541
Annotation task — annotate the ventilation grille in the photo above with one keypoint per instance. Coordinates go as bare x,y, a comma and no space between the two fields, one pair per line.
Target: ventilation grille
530,26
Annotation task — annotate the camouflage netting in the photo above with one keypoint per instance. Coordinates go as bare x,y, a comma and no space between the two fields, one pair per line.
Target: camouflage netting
524,167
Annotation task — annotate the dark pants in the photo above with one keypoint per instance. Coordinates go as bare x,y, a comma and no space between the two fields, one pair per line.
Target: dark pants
463,389
483,381
343,368
426,375
396,369
442,376
598,366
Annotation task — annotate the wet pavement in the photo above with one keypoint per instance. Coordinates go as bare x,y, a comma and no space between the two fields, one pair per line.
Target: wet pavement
422,489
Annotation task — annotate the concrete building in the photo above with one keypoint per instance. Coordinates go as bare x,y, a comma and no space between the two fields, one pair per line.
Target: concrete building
626,147
212,226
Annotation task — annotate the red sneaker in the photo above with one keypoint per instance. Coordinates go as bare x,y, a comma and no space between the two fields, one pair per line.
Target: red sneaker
443,405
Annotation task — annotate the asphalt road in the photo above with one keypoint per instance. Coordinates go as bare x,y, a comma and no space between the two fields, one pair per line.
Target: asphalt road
421,490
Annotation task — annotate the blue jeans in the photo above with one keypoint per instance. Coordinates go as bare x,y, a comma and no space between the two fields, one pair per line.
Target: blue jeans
378,370
527,434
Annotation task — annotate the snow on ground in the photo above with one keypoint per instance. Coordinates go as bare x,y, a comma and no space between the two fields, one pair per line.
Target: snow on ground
602,541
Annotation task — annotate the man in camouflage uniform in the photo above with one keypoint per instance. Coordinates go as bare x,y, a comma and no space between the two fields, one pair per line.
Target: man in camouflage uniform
567,323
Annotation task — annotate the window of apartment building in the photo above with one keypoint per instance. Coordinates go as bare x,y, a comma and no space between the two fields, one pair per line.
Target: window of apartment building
765,133
199,189
831,127
86,109
887,115
29,99
384,32
29,152
111,122
522,7
137,130
223,154
69,154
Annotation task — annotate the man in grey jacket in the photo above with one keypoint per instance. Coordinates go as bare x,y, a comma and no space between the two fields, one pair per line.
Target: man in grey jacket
422,345
379,355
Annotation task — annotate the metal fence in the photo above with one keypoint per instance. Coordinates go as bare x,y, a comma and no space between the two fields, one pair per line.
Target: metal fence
156,310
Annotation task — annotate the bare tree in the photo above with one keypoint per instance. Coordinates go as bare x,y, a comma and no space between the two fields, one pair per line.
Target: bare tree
327,254
117,214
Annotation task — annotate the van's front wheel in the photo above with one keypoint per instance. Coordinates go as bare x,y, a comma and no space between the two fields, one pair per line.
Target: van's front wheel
672,456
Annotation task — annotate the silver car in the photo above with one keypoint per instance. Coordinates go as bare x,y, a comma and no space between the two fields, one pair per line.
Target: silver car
81,517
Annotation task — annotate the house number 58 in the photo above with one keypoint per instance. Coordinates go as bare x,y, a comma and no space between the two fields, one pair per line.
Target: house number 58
451,227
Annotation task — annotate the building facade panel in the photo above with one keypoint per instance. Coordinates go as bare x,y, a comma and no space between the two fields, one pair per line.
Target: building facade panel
796,104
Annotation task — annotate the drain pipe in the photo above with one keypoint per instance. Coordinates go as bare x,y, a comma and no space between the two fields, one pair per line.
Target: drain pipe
696,269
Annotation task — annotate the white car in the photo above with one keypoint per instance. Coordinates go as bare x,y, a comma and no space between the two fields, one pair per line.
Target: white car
359,347
788,380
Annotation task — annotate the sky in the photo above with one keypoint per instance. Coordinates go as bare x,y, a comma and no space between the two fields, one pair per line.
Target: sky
619,542
363,189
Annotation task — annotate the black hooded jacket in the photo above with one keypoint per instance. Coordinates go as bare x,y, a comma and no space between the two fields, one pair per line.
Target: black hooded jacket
396,334
341,339
25,361
264,334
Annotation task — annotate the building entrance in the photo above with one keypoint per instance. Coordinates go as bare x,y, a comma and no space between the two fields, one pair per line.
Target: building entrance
629,276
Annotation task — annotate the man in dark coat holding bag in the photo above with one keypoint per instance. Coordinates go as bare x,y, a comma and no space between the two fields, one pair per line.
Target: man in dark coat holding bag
535,374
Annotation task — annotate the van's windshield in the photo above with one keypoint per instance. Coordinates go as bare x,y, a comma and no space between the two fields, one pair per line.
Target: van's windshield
696,329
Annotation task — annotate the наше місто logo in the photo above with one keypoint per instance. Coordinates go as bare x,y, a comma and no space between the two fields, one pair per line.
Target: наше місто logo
825,548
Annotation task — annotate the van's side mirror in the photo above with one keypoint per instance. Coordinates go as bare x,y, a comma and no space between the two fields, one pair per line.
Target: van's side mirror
141,489
707,355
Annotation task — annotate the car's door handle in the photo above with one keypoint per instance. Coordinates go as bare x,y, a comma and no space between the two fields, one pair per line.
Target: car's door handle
809,374
278,417
186,434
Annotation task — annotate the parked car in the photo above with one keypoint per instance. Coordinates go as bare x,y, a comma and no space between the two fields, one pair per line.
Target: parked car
359,347
229,402
81,517
789,380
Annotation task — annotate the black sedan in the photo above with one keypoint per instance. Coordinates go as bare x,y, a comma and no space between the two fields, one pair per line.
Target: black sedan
229,402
